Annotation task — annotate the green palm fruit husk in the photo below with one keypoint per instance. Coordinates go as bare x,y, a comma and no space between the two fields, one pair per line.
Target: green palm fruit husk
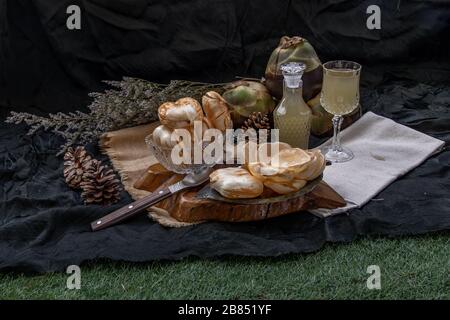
294,49
321,121
245,97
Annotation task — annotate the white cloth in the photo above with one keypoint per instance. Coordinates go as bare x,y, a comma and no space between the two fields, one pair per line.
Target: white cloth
384,150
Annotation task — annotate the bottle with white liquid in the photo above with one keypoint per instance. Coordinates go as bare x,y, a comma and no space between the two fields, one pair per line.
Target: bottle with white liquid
292,117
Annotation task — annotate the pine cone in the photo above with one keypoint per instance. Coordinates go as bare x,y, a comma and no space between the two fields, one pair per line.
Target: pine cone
100,185
76,161
257,120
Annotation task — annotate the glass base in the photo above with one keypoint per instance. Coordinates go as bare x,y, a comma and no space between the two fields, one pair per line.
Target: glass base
343,155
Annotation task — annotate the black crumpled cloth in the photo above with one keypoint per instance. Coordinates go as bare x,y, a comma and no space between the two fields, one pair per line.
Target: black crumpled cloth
44,68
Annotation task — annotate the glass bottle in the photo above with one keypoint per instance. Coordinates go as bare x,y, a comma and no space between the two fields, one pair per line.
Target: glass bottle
292,116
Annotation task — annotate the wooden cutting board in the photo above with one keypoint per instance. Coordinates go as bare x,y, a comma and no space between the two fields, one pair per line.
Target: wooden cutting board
185,207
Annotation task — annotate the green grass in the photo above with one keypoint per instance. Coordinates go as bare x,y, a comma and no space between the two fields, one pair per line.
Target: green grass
411,268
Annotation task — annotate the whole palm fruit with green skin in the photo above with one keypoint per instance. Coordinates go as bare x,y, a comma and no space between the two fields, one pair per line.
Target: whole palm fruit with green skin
321,120
294,49
245,97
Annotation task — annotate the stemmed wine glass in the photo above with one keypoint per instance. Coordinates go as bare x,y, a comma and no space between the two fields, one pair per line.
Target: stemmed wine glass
339,96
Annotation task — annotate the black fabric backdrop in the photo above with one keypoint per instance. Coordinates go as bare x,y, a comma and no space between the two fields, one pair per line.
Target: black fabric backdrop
44,68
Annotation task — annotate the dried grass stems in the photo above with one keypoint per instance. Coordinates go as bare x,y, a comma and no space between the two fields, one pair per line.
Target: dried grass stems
128,103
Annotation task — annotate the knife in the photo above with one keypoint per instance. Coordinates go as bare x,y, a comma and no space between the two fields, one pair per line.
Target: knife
191,180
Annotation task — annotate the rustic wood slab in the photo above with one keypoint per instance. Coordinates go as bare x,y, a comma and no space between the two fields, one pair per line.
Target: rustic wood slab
185,207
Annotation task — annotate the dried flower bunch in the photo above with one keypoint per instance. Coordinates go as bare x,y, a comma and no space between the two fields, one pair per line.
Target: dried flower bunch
130,102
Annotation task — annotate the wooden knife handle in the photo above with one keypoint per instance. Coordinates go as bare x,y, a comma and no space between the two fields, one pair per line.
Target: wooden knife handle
130,210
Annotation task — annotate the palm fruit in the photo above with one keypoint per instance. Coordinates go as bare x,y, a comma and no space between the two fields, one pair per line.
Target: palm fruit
321,121
246,97
295,49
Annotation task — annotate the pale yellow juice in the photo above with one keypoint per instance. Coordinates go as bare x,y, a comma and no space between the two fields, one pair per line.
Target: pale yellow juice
292,116
294,124
340,91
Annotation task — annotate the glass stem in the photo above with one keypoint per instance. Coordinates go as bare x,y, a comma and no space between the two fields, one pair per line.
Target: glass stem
337,122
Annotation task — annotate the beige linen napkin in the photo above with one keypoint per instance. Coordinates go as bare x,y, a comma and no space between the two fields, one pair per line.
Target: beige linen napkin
384,150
